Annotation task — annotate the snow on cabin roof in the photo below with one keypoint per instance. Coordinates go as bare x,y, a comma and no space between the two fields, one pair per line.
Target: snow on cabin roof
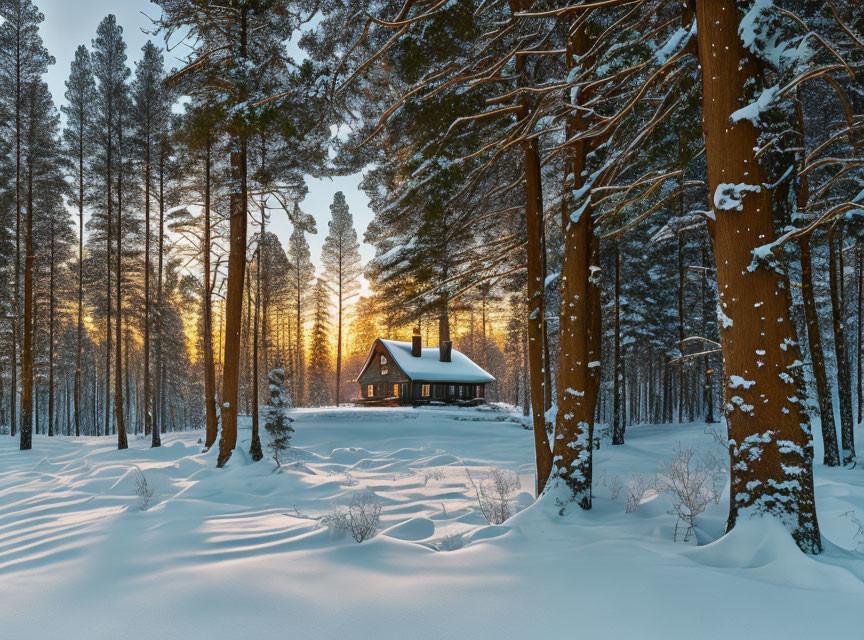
428,367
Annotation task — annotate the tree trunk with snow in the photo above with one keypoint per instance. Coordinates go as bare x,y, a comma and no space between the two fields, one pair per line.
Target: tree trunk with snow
579,355
838,324
769,430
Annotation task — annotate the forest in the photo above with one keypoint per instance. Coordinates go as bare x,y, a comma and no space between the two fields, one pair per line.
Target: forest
632,213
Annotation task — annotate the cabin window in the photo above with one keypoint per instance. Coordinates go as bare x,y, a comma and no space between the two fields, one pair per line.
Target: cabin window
426,390
395,390
370,390
383,360
452,391
385,371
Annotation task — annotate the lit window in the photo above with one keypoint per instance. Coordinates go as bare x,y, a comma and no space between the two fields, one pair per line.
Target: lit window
370,390
385,371
396,390
425,390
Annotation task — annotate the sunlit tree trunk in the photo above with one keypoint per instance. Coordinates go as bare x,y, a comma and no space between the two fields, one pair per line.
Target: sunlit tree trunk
769,430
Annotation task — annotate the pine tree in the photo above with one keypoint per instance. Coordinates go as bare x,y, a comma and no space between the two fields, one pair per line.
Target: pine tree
80,90
239,50
277,422
151,110
111,73
319,353
23,58
340,257
300,279
41,155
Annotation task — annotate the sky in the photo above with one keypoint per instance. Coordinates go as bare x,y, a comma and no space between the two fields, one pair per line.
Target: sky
69,23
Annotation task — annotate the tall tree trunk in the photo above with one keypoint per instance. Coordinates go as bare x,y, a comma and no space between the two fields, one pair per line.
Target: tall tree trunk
80,333
108,268
148,418
339,336
255,447
617,368
119,406
817,356
51,334
859,273
708,388
579,353
236,273
27,345
16,315
838,324
681,333
770,442
234,303
207,298
158,399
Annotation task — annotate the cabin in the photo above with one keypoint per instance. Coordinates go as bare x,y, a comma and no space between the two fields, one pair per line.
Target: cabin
408,373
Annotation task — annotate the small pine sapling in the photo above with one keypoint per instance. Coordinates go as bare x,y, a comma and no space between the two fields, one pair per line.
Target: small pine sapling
276,420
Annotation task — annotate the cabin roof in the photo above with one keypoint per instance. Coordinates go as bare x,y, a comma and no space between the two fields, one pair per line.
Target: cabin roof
429,368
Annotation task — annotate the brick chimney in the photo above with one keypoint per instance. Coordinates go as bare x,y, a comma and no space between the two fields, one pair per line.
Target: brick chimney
444,350
416,345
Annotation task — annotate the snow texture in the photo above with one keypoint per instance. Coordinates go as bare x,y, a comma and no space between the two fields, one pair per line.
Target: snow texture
239,552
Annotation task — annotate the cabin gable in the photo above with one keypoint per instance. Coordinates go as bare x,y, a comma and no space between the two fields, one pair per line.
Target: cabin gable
381,376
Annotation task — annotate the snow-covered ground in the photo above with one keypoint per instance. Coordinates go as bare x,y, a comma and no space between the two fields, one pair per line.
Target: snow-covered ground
238,552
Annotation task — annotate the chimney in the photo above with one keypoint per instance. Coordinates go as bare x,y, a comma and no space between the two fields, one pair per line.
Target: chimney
444,349
416,345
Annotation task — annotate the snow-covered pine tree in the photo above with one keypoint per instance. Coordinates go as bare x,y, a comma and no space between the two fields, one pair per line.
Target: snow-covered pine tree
277,422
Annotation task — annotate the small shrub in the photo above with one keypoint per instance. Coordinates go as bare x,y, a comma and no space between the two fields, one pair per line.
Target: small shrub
494,493
718,434
689,481
432,474
616,487
145,493
636,490
451,542
361,518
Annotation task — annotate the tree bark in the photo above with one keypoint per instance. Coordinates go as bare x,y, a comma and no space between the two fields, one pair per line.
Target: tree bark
817,355
234,303
579,355
618,372
122,441
838,324
207,298
27,343
255,447
770,442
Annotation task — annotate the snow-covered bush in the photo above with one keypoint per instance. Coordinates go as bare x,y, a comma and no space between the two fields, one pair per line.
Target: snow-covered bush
276,420
615,487
432,474
361,518
451,542
639,485
144,491
494,494
691,482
